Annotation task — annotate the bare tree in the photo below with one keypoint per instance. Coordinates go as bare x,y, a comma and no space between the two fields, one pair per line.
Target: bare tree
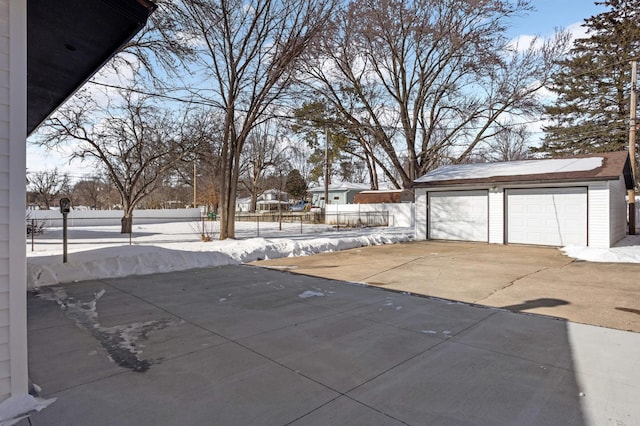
246,53
134,140
48,186
427,78
508,145
88,192
264,150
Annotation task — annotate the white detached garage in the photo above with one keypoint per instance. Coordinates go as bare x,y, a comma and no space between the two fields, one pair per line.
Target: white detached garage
555,202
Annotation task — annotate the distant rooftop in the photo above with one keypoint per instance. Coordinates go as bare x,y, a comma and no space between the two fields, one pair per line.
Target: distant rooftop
342,186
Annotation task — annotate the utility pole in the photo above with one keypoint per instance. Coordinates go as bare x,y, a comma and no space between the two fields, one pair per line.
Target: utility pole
632,149
326,169
195,183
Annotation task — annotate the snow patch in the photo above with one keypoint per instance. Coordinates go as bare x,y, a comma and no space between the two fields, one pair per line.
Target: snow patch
510,168
17,408
309,293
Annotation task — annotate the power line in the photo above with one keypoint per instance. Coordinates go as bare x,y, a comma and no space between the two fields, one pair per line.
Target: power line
283,116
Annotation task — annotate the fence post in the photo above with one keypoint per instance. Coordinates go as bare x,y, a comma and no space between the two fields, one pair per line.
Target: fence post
258,224
300,224
33,231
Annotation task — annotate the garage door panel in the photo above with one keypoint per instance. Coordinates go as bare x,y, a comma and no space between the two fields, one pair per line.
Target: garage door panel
459,215
547,216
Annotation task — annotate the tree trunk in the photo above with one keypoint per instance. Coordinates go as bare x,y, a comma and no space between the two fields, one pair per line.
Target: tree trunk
126,223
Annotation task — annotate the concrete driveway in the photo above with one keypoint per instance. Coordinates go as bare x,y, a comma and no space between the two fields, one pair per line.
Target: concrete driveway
240,345
529,279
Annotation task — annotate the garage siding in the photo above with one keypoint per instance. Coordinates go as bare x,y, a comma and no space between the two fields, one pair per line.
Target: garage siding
496,216
421,214
599,214
617,211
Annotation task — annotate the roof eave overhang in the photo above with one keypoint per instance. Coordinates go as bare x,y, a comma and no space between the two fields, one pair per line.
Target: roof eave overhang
68,41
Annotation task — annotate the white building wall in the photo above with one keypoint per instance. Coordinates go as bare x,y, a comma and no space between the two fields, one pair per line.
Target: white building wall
53,218
606,210
496,215
598,215
617,210
13,124
421,214
400,214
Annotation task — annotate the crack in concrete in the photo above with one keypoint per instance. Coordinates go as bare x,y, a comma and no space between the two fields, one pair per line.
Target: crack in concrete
511,284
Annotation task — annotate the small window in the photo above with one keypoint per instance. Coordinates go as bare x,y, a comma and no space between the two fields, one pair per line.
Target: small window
336,198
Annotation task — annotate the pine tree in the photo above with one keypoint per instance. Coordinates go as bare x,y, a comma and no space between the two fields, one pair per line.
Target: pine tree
296,185
591,112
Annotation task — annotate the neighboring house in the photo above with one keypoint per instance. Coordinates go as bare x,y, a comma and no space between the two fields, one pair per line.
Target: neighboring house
339,193
243,205
384,196
555,202
273,200
48,50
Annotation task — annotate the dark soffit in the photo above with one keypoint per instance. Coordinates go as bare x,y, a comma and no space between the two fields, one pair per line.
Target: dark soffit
68,41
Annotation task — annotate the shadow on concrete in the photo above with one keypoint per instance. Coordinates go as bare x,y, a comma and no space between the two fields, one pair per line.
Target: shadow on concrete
246,345
629,310
535,303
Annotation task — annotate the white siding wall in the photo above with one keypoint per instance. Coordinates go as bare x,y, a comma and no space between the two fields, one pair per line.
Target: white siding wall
617,210
5,368
606,204
13,329
598,215
421,214
496,215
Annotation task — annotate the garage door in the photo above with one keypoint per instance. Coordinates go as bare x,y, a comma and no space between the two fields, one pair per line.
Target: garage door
547,216
459,215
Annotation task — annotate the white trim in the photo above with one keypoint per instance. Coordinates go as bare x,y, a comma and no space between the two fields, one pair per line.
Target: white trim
17,195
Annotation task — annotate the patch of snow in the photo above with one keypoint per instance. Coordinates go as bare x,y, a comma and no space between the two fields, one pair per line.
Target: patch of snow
98,252
510,168
17,408
626,250
309,293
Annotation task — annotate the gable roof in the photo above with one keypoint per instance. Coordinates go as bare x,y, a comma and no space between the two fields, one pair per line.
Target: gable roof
604,166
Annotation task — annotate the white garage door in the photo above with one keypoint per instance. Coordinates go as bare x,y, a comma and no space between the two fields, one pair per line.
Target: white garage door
459,215
547,216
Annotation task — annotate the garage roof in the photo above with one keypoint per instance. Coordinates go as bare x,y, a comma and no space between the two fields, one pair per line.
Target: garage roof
68,41
603,166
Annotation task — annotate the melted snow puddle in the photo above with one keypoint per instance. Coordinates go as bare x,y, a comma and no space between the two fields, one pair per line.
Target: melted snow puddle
123,343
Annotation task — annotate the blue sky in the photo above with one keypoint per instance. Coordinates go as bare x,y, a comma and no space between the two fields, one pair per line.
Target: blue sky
547,16
550,14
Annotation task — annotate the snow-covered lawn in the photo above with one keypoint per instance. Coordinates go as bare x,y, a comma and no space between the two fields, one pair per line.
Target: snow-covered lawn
102,252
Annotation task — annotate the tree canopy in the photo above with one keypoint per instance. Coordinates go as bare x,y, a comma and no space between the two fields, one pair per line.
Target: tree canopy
591,112
429,81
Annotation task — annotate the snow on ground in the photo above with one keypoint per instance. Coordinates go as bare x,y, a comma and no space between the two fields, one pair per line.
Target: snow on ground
626,250
102,252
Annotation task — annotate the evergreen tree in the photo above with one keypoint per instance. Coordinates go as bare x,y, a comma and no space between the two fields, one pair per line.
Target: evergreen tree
296,185
591,112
